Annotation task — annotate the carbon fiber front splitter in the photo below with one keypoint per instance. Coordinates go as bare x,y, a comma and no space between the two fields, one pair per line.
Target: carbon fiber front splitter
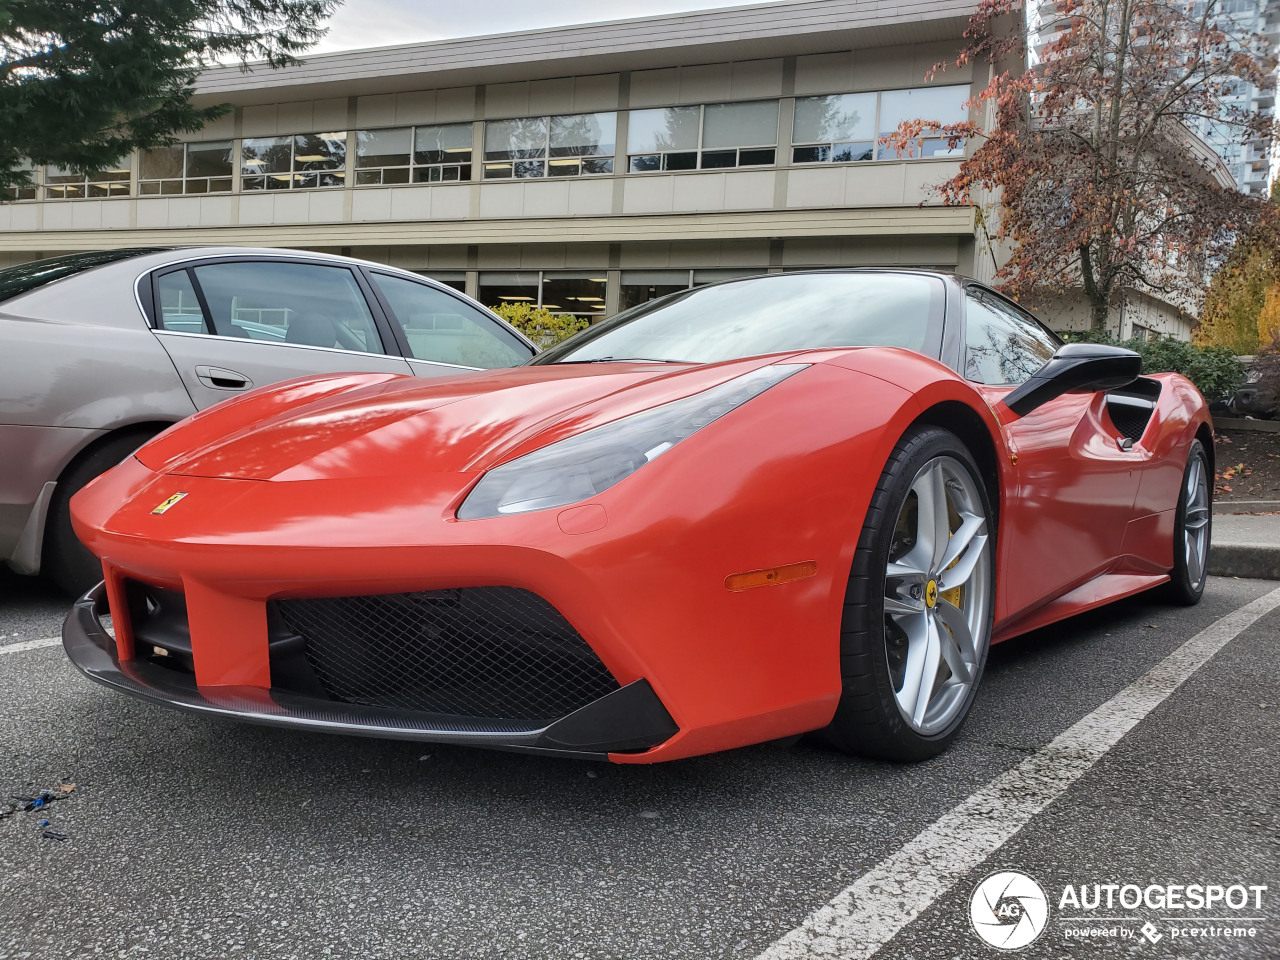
629,719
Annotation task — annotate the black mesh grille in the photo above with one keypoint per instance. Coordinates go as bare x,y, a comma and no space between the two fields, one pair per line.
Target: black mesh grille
483,652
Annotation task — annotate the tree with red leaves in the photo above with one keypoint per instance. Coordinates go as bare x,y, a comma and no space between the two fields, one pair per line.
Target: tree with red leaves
1088,156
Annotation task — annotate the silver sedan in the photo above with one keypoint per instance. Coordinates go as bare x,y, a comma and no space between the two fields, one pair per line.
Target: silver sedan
101,351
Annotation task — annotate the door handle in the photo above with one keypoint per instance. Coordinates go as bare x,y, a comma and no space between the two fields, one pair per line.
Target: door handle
221,378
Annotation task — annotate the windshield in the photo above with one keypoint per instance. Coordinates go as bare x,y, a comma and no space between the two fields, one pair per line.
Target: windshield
27,276
772,314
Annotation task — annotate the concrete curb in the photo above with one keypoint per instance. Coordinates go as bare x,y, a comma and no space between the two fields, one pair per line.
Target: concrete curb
1253,561
1239,423
1245,507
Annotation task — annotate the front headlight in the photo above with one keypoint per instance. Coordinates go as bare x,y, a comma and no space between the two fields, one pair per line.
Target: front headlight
582,466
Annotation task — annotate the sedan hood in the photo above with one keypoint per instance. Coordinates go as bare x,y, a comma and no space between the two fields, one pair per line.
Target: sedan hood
375,425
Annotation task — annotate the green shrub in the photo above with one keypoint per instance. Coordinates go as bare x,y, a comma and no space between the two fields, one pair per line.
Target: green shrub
1215,371
539,324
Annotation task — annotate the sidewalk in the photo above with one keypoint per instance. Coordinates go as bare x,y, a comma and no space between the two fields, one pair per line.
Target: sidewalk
1246,544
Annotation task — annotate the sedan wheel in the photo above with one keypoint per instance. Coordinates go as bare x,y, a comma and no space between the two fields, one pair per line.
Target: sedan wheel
918,610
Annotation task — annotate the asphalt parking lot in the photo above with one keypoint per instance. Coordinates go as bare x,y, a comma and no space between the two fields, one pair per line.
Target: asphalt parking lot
189,837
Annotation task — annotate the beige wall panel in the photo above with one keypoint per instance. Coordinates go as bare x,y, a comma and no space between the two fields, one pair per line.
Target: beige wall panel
929,251
506,100
699,191
259,121
325,206
155,213
501,200
824,73
455,103
6,215
328,115
257,208
926,55
416,107
215,211
756,78
551,96
86,214
920,179
647,194
875,185
290,207
184,212
370,204
546,198
587,255
223,127
450,203
500,256
706,82
590,198
595,93
645,256
21,216
446,257
57,216
885,70
411,203
115,214
744,253
545,256
373,254
379,111
296,117
655,87
815,186
751,190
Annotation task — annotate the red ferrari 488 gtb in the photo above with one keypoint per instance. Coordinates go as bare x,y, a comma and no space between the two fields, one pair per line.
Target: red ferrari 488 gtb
792,503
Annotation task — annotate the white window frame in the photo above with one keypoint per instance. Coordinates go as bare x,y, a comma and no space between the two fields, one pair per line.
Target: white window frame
184,179
546,158
700,149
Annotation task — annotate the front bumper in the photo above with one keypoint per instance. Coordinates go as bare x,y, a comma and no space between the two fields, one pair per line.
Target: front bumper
628,719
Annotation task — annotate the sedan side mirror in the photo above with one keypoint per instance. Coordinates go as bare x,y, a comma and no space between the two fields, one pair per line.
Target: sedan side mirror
1076,368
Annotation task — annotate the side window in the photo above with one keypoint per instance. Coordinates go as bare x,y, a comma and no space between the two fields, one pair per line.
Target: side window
443,328
1002,346
179,306
299,303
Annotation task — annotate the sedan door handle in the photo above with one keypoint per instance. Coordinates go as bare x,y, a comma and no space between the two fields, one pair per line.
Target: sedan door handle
221,378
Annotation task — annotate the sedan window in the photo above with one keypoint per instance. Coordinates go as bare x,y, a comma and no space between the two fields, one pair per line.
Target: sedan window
444,329
279,302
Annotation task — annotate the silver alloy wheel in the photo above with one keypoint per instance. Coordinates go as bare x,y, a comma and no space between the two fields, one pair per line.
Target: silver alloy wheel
1195,523
937,596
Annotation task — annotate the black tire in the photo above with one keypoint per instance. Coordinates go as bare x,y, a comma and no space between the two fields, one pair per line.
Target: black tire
867,720
64,559
1181,589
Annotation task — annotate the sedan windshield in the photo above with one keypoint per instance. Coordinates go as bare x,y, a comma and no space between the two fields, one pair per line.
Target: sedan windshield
772,314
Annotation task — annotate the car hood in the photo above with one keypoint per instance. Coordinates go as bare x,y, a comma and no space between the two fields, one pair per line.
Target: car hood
379,425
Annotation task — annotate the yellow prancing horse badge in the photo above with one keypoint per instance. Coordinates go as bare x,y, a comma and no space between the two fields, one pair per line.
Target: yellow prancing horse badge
168,503
931,593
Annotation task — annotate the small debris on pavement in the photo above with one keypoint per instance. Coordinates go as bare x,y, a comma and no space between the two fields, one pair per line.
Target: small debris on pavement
648,814
54,835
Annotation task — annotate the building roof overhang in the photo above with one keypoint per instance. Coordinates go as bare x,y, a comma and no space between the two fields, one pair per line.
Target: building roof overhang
763,31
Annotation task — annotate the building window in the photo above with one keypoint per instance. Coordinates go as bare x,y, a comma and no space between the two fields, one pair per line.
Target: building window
442,153
943,104
567,146
432,154
186,168
383,156
641,286
579,293
457,279
839,129
64,184
283,163
716,135
24,192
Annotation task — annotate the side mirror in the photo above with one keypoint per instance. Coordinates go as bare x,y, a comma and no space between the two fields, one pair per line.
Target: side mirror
1076,368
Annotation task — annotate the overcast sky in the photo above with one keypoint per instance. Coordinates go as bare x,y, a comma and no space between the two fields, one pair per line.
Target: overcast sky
373,23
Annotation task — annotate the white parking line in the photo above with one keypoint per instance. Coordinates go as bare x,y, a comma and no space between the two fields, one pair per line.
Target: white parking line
29,645
862,918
